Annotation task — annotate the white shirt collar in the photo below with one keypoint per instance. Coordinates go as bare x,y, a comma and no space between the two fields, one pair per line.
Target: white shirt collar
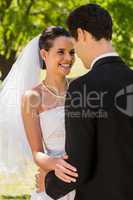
102,56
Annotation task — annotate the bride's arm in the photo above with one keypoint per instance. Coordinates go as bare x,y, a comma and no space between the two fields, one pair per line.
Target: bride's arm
30,103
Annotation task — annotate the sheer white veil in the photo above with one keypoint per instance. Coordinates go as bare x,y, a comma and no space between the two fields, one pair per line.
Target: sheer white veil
24,75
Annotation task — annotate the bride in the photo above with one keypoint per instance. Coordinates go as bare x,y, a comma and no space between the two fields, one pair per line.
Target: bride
41,108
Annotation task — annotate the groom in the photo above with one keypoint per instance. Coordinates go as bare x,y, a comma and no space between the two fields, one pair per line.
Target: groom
98,114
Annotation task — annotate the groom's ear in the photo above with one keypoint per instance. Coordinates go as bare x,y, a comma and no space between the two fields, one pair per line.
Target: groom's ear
81,35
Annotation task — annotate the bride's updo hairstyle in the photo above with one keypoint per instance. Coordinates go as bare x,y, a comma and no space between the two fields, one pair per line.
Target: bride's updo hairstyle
49,35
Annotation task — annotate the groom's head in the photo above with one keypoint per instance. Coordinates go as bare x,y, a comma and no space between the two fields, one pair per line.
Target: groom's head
91,27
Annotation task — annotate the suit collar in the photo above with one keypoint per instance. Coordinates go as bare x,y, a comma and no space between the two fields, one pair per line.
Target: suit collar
107,60
102,56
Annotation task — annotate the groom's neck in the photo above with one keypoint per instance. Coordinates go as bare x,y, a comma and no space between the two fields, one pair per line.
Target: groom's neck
100,48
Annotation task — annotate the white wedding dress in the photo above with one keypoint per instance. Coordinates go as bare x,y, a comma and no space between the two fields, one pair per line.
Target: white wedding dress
53,130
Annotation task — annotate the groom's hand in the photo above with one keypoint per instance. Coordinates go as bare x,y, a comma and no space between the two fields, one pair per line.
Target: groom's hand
65,171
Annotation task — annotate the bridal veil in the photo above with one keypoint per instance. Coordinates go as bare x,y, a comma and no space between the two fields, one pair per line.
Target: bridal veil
24,74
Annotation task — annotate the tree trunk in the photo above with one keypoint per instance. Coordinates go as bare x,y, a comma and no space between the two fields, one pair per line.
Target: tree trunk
6,64
4,71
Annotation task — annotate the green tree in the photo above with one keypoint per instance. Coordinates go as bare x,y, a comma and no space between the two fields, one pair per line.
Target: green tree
21,20
122,14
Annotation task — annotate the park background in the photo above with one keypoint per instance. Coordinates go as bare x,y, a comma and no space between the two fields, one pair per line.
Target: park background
21,20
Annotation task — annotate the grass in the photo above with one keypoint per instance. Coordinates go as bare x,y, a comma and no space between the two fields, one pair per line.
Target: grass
23,197
18,186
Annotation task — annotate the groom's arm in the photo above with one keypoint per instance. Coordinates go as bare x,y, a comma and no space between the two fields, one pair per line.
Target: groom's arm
79,144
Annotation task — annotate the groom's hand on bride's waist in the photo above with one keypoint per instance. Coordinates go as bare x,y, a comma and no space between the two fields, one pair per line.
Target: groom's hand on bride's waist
65,171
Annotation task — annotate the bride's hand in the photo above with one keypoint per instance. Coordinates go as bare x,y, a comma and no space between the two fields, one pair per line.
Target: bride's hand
40,176
65,171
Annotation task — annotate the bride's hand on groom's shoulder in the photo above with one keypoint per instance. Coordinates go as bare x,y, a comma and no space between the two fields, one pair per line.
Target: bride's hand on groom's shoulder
65,171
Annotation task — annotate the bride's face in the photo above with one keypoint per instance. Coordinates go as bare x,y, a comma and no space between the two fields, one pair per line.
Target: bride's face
60,57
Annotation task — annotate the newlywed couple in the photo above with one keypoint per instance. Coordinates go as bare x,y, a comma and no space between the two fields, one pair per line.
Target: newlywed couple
80,138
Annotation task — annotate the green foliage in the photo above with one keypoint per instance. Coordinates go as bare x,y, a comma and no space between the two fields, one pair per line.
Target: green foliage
21,20
24,197
122,14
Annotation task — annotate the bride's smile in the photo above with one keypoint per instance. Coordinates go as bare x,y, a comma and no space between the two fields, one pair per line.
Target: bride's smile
60,56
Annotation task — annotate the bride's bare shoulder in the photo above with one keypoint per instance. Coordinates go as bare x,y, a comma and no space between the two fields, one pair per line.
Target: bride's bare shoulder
32,96
35,92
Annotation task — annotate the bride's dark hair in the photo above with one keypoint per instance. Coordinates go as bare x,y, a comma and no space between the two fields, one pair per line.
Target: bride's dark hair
49,35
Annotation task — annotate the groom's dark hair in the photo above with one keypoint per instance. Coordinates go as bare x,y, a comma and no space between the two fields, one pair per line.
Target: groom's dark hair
92,18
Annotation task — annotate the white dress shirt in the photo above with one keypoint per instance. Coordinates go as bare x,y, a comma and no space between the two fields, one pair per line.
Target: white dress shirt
102,56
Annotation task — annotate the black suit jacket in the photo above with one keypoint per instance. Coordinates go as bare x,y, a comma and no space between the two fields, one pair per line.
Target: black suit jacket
99,134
